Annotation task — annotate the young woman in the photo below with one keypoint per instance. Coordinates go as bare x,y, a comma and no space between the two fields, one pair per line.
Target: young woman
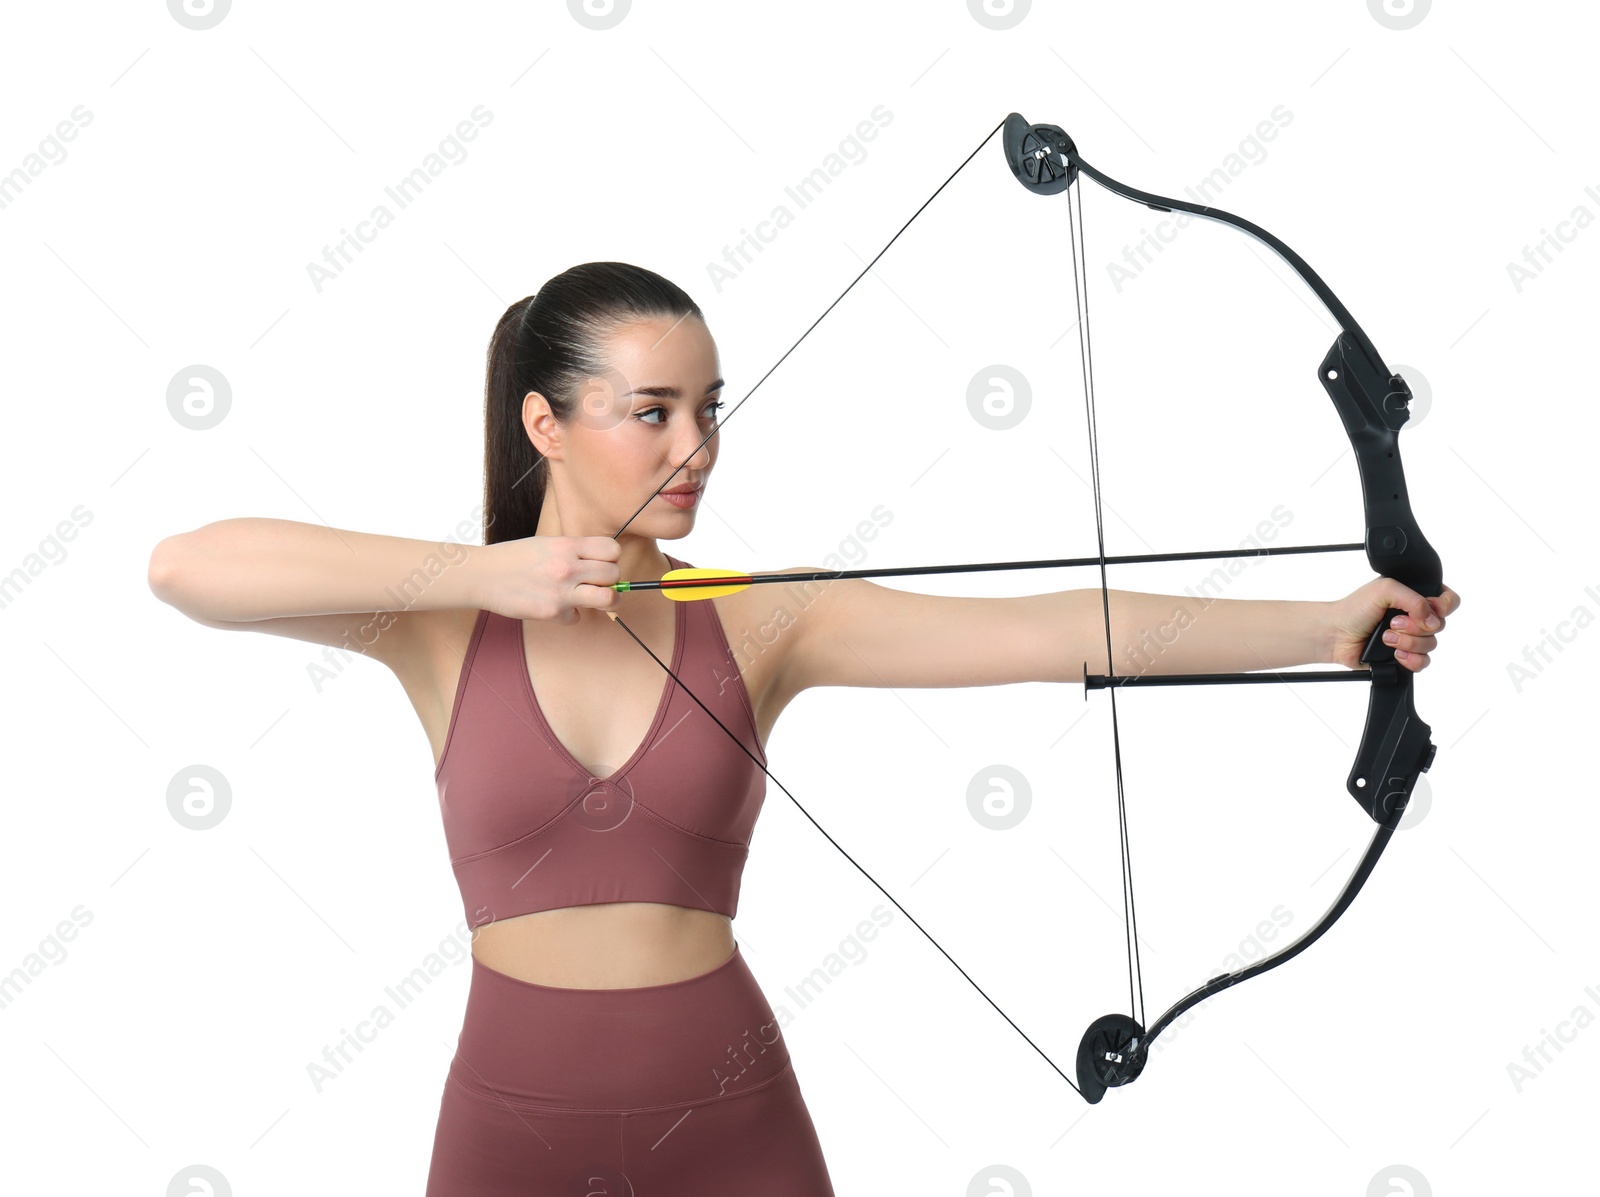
597,817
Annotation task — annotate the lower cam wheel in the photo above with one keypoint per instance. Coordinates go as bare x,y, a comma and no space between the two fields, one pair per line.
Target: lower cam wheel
1111,1054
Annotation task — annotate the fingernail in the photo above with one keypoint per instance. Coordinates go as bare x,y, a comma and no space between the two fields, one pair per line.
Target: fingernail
1432,622
1397,621
1390,638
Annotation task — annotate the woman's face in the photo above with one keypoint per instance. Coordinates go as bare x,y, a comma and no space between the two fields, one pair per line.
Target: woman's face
631,427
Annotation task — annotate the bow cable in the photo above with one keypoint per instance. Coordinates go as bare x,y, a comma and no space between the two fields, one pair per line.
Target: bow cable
1080,292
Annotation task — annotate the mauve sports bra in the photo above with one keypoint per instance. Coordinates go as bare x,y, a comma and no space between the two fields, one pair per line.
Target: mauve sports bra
529,828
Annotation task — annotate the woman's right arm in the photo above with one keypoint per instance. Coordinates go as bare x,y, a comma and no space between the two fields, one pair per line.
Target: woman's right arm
368,593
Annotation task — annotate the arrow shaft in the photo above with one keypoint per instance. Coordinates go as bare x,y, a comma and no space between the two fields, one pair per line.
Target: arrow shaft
980,567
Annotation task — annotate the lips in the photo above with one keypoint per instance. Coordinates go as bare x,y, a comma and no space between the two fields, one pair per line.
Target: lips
684,498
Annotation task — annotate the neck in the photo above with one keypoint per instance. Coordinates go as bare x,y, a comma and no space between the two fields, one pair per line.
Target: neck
638,558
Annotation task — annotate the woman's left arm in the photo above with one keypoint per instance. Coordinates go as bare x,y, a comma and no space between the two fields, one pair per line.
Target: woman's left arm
853,632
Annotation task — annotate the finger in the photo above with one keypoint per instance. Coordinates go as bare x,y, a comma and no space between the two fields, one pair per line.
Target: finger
1416,607
1430,622
1402,641
596,573
1446,602
599,548
602,598
1416,662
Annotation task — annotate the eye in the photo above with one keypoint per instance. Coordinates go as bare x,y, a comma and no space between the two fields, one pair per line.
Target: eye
711,409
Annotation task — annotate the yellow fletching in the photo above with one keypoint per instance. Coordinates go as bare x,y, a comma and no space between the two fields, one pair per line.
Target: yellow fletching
685,594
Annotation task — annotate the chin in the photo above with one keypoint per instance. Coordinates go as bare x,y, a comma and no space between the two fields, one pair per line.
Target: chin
662,529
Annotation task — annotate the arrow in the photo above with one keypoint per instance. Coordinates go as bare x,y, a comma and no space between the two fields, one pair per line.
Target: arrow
687,585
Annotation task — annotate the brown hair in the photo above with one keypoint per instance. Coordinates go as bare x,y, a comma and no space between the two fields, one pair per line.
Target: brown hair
550,342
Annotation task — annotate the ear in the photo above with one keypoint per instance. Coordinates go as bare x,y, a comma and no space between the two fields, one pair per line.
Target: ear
541,425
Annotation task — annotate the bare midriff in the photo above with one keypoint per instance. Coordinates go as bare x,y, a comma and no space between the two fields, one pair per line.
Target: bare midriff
611,945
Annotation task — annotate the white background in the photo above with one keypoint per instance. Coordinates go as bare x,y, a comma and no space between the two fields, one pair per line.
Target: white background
176,229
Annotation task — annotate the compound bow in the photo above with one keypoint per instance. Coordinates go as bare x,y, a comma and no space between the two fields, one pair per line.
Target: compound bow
1374,403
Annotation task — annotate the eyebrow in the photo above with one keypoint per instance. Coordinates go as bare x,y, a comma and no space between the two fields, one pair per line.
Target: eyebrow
671,392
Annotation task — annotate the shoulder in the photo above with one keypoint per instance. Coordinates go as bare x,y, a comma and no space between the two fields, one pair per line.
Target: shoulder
765,623
776,604
763,628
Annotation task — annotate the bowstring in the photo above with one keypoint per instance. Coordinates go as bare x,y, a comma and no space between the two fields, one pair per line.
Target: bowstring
1080,294
616,619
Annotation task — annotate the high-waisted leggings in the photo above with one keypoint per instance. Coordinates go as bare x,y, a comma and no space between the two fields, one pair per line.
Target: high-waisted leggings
652,1091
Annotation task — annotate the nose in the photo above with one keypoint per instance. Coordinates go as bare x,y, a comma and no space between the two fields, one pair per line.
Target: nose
699,454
